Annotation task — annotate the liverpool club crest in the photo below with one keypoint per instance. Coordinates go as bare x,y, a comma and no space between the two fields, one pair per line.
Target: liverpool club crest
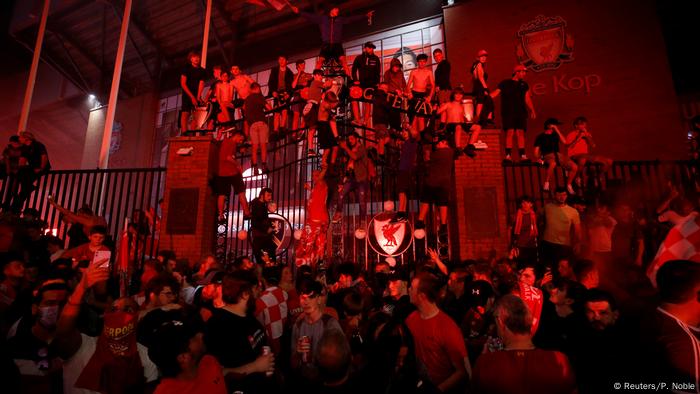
387,238
544,44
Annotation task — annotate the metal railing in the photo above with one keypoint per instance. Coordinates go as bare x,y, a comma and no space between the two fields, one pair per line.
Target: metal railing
290,170
113,194
640,183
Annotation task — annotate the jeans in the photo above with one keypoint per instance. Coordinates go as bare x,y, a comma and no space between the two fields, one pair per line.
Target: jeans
361,188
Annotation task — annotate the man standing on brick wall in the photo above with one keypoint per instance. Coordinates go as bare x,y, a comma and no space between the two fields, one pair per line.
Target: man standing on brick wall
230,175
516,103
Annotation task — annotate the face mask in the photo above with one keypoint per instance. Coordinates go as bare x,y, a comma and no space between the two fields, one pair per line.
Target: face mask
48,316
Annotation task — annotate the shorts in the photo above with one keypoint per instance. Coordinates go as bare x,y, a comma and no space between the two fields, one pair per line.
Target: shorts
187,105
438,195
238,103
297,102
413,102
326,140
223,184
514,122
282,98
479,94
381,131
259,133
311,116
559,159
406,181
451,128
332,51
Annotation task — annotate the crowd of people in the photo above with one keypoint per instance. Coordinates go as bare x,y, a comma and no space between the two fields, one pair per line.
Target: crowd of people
569,309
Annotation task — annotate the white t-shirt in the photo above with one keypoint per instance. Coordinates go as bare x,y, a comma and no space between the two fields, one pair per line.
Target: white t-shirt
73,367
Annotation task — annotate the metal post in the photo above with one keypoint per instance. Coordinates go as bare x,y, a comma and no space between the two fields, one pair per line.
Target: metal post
24,115
114,91
205,41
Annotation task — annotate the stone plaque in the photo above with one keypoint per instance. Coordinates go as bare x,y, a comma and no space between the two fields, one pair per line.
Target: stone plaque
182,211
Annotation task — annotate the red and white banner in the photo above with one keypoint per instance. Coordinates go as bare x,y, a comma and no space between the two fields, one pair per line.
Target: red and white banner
681,243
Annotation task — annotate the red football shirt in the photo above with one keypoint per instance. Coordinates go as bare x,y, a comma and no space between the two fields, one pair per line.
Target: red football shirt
524,372
209,380
226,167
439,344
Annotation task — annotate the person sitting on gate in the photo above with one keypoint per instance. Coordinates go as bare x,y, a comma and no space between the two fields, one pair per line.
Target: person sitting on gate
579,143
547,150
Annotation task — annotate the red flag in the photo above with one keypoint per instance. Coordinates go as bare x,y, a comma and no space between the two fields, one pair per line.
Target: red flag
278,5
681,243
123,257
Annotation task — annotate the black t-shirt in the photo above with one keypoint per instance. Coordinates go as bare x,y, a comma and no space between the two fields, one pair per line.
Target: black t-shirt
260,222
513,97
548,143
442,75
33,153
255,108
193,75
236,341
440,168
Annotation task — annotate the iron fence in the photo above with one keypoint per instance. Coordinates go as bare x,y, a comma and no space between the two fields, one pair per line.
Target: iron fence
113,194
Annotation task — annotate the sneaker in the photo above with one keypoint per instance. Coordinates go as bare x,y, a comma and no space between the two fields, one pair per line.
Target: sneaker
221,218
524,158
480,145
546,186
311,153
470,151
508,158
420,225
337,217
247,216
570,189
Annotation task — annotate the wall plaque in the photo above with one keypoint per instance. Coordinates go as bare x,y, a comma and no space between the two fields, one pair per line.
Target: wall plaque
182,211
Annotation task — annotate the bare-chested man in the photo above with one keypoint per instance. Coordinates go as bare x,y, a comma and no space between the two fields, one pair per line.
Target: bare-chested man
457,122
421,85
241,86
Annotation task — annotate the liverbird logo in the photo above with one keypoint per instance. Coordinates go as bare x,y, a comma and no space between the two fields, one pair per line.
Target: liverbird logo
543,44
389,236
388,231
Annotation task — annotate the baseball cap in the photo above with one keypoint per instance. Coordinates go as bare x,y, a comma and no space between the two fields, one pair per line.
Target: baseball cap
478,293
481,53
551,121
369,44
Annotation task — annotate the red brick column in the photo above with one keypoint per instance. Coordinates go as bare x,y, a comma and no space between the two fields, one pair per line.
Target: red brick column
479,217
189,209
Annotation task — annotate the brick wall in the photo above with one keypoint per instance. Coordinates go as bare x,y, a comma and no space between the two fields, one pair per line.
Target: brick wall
479,216
192,171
